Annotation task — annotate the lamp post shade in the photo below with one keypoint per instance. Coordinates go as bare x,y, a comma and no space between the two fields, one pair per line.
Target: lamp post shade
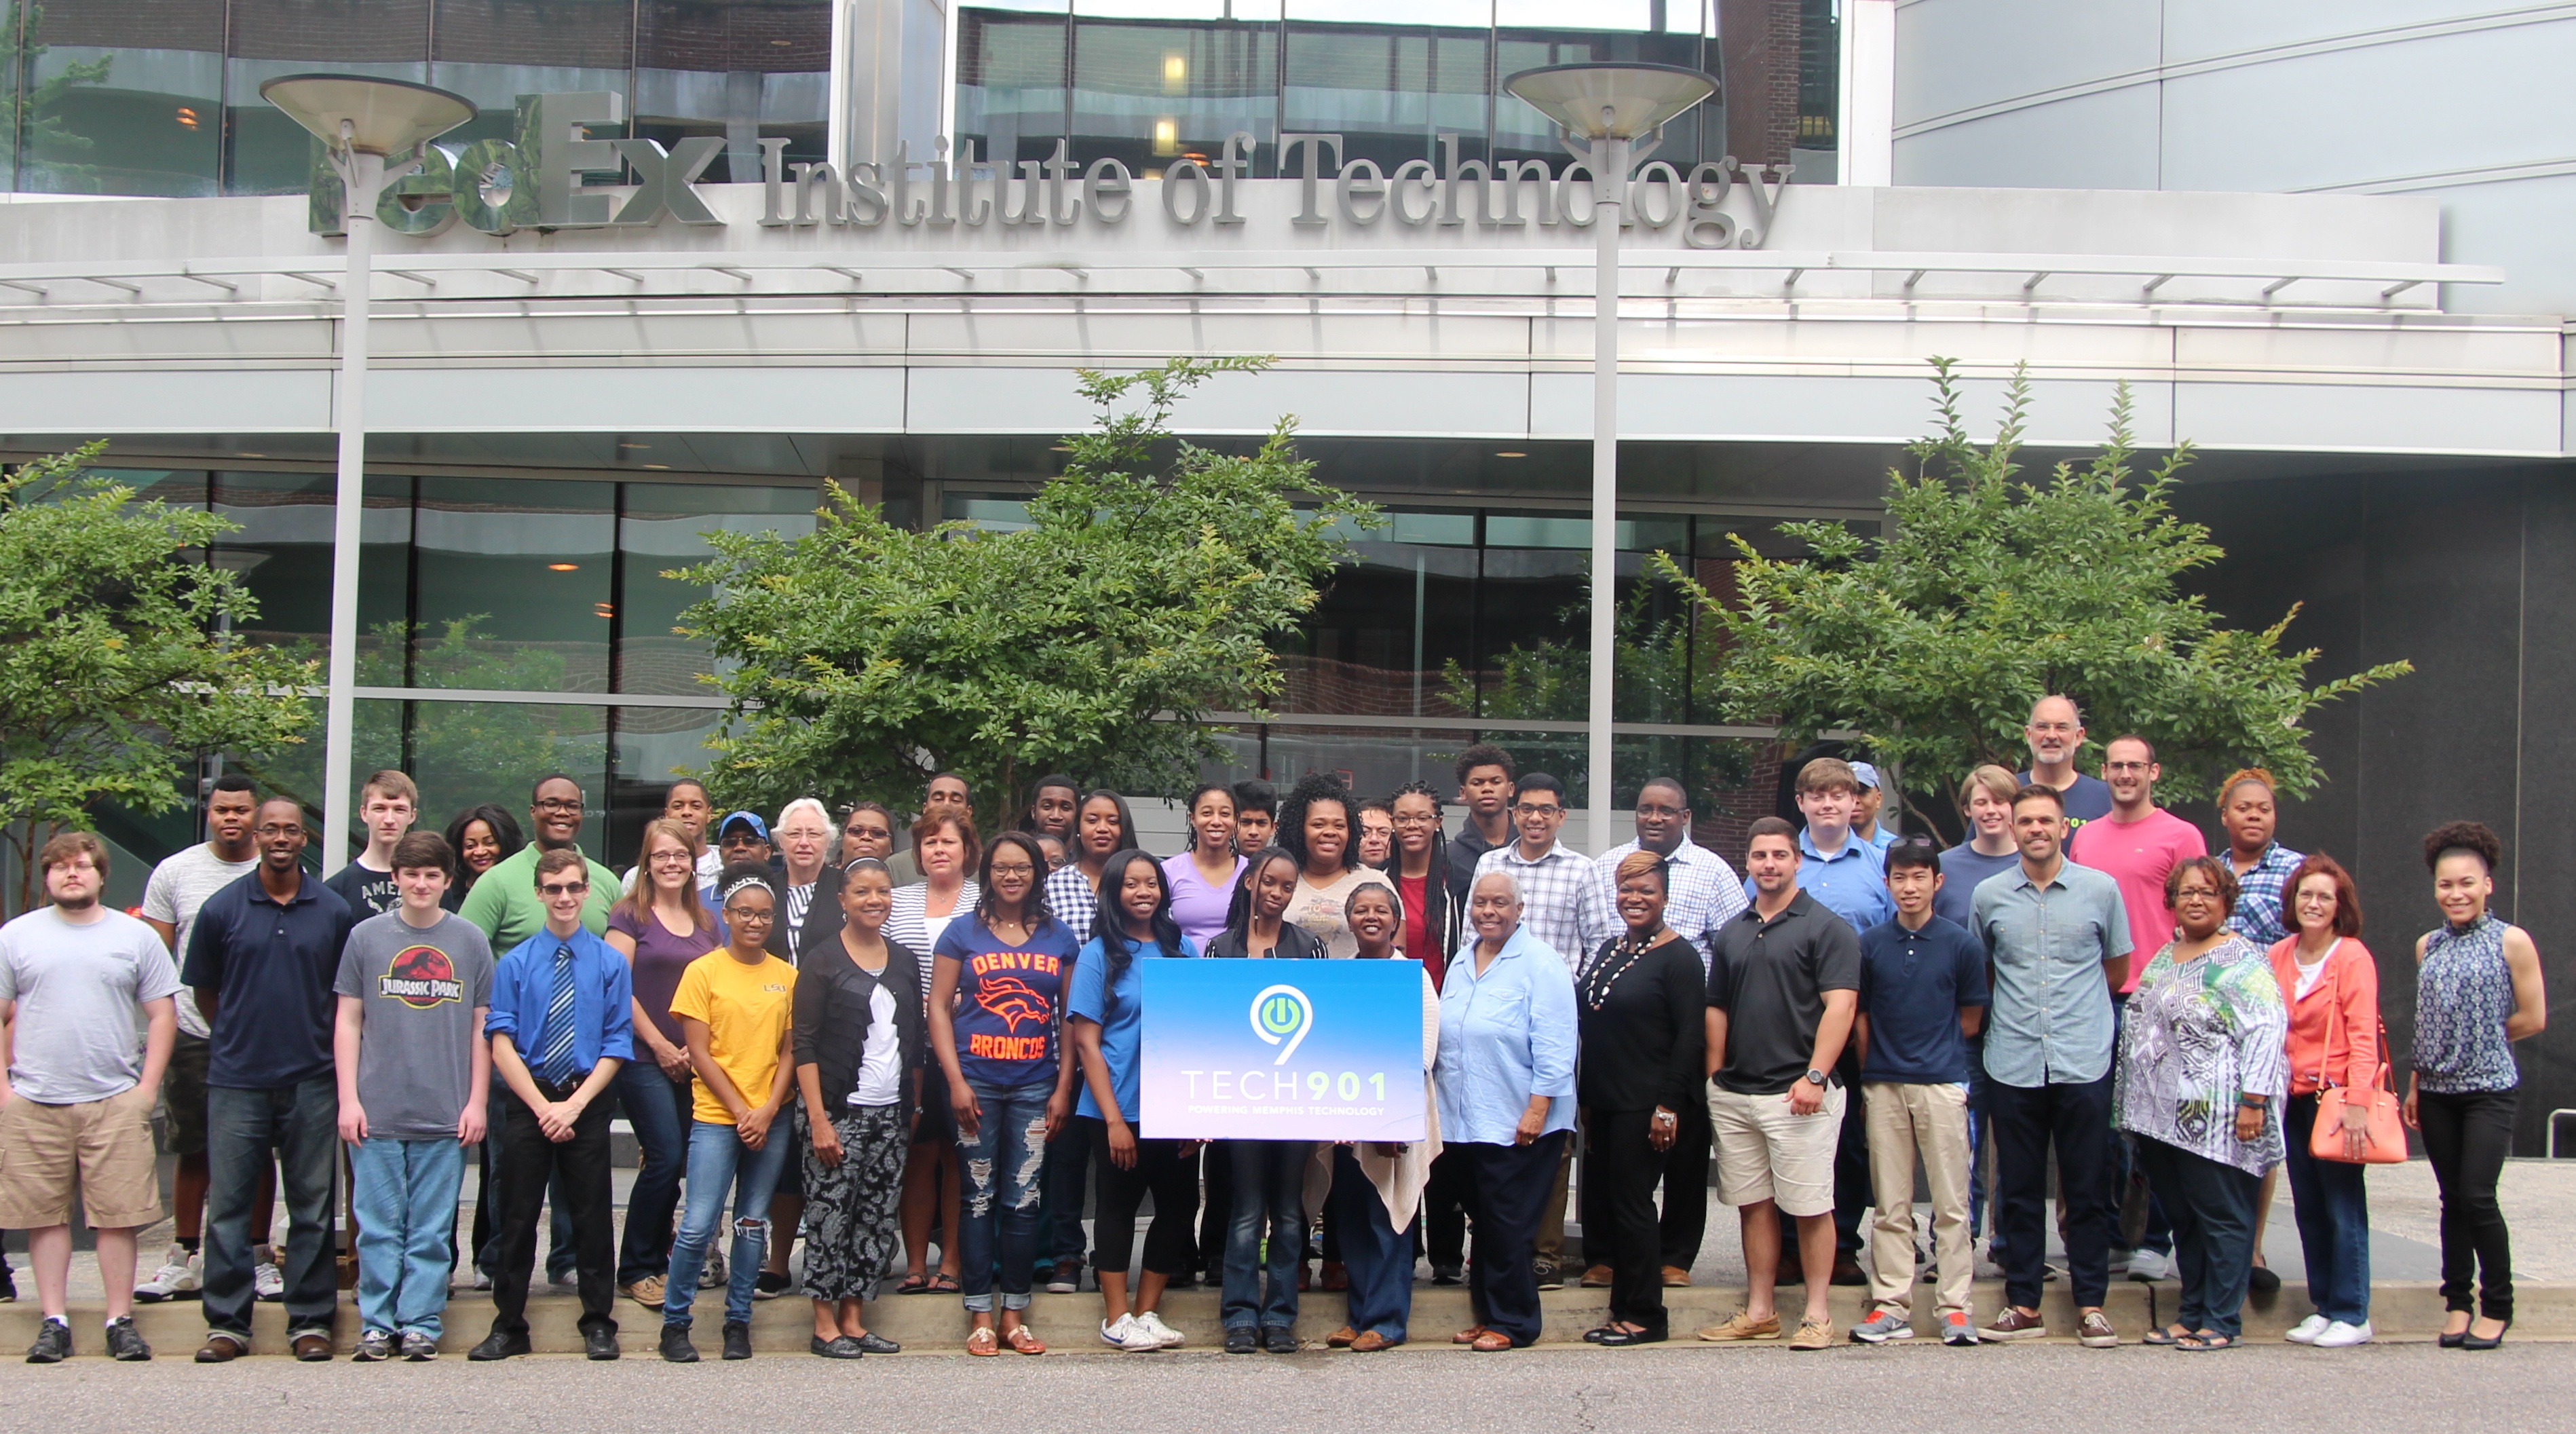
1638,97
385,117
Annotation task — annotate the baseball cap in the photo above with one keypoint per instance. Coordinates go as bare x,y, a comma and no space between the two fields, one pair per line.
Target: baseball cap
759,828
1866,775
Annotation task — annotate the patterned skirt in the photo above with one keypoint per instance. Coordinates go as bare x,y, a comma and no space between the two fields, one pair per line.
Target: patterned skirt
851,1232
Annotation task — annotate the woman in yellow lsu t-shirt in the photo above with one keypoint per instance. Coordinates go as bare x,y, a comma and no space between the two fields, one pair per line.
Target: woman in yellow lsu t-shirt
734,1006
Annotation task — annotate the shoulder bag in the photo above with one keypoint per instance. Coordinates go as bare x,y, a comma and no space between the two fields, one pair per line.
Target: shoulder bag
2383,1139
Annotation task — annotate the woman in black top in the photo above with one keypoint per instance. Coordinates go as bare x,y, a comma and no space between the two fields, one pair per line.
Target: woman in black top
1640,1002
858,1047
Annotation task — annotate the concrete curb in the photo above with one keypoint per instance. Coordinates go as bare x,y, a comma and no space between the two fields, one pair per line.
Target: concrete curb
936,1324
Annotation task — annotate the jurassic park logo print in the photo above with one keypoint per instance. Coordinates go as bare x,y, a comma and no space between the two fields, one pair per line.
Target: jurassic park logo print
421,977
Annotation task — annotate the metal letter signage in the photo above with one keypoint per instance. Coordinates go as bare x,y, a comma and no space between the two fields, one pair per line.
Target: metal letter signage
553,174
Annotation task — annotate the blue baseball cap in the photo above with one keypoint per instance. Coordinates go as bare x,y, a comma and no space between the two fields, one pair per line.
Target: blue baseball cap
758,827
1866,775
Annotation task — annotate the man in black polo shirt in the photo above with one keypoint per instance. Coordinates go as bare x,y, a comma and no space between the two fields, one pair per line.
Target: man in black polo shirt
1783,982
261,958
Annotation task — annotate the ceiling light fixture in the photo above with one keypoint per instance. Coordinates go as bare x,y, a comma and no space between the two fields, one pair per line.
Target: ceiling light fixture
563,567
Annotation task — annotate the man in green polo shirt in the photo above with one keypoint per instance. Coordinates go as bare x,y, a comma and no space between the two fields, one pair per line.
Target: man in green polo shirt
504,900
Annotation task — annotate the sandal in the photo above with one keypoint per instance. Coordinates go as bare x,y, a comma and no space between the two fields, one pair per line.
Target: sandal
915,1283
1024,1340
1492,1341
2204,1343
2165,1334
945,1284
983,1342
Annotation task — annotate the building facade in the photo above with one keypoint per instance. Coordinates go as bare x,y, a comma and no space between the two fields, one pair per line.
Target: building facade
915,221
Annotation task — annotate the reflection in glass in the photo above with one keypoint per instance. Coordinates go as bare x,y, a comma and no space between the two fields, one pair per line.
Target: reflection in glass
1011,79
663,529
467,753
264,151
1391,91
493,51
652,746
513,584
1395,617
742,70
112,106
1149,91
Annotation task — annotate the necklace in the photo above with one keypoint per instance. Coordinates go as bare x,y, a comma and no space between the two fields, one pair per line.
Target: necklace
1614,963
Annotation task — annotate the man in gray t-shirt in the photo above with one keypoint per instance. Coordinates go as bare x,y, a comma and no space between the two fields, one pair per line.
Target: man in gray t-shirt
414,987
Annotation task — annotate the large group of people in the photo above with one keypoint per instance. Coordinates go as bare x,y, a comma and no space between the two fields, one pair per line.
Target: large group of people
923,1064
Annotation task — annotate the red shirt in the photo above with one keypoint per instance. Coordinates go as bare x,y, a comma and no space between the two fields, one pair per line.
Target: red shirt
1414,891
2138,855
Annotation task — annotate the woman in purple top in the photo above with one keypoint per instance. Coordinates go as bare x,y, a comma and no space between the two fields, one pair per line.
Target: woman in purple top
1203,878
659,927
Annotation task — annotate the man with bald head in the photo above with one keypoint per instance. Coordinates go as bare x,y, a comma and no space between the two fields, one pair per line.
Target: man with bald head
2056,735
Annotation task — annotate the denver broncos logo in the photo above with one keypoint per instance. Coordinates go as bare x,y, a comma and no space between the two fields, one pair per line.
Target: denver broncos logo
1014,1000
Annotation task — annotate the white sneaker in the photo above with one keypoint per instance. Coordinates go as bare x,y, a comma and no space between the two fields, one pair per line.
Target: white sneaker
268,1282
2307,1330
2149,1266
1150,1325
2339,1335
177,1279
1121,1333
711,1276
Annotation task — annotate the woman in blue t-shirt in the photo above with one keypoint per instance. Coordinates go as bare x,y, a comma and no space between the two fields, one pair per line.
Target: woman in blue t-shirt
996,1000
1107,1022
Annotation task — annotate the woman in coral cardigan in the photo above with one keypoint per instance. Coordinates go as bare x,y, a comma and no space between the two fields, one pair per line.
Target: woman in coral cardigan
2331,987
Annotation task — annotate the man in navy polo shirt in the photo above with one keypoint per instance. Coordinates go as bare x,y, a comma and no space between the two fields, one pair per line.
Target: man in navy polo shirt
1922,993
261,959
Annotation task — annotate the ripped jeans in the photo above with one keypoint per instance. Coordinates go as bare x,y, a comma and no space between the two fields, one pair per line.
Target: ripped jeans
1000,1206
717,1160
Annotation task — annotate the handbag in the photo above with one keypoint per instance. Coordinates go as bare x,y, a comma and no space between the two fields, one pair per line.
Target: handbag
2383,1140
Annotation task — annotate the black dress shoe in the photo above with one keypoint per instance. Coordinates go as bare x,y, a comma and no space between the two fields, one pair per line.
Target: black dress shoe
2471,1341
497,1345
675,1345
1279,1339
2451,1341
1595,1336
1623,1338
737,1340
1242,1339
839,1346
599,1344
875,1343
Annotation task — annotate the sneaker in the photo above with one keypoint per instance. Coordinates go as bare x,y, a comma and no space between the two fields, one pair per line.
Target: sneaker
1279,1339
2121,1260
1065,1278
646,1292
177,1279
125,1342
418,1347
1957,1328
2094,1332
711,1275
1813,1334
675,1345
1549,1276
268,1282
1242,1339
1881,1327
1116,1333
53,1343
771,1284
737,1339
2148,1266
1741,1326
374,1346
2307,1330
1151,1326
2340,1335
2012,1324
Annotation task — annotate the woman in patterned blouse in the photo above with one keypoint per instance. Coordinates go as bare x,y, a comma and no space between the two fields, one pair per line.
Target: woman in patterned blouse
2200,1079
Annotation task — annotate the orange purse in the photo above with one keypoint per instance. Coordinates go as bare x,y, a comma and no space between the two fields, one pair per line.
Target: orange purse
2383,1138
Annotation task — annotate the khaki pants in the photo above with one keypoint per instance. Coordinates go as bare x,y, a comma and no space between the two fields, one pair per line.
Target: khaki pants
1550,1244
1932,1120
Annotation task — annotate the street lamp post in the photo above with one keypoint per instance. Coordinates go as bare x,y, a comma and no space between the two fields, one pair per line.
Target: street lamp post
1608,106
361,121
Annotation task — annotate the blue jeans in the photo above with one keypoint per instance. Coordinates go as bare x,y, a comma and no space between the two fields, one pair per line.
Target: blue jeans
1269,1198
2333,1211
404,1194
1378,1256
658,1109
301,1123
999,1212
719,1161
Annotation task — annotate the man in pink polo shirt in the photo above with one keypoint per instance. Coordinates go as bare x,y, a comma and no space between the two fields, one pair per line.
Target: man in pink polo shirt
2136,846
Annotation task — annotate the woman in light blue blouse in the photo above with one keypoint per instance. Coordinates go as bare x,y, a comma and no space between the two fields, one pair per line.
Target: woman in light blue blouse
1505,1079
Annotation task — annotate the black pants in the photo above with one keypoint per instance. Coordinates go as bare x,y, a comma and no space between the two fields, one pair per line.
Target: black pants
529,1162
1507,1188
2077,1120
1173,1180
1216,1213
1620,1169
2466,1138
1062,1184
2212,1209
1444,1210
1685,1220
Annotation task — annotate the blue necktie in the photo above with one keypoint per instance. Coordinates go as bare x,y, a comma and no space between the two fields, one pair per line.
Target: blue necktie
554,1053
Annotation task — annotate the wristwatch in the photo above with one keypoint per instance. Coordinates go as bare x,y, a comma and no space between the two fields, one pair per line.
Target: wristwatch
1818,1077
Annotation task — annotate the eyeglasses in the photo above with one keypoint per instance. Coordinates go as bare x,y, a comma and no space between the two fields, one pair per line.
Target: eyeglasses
740,917
559,804
1527,810
564,888
2127,766
1417,819
678,857
1014,868
2058,729
868,834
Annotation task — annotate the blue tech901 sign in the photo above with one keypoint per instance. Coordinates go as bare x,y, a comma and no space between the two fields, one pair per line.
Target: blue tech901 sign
1281,1050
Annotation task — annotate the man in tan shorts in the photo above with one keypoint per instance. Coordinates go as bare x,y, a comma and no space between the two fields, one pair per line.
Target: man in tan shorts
1783,984
76,1108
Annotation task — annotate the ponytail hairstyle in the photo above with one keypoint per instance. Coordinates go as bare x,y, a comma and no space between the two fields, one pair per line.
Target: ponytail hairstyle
1111,923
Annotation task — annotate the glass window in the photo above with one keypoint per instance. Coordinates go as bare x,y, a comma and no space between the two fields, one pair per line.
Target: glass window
283,554
1531,33
1011,79
466,753
512,584
1391,635
662,529
264,151
652,745
1152,84
115,102
743,70
1391,89
493,51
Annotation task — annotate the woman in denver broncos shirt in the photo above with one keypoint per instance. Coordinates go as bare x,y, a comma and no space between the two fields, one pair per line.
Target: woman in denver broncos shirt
996,1006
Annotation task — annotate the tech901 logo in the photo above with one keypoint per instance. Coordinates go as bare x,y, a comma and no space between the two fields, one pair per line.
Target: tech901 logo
1281,1016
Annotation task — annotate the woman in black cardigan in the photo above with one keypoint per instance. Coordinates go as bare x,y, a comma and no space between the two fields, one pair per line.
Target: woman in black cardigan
1640,1002
858,1045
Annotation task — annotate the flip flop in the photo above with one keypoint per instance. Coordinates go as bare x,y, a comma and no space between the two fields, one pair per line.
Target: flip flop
2164,1334
984,1342
2204,1343
945,1285
1024,1340
914,1285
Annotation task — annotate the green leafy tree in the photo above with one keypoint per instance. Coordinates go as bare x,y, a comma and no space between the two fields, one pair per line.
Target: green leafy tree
37,111
1143,595
1929,644
113,662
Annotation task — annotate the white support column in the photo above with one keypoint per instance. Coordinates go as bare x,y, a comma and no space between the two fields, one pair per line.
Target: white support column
1866,124
1609,192
364,177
